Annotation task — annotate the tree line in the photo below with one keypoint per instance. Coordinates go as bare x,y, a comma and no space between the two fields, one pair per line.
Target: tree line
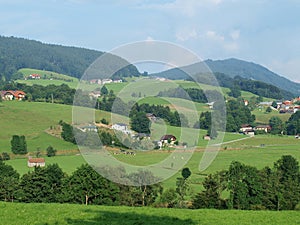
236,115
192,94
248,188
243,84
240,187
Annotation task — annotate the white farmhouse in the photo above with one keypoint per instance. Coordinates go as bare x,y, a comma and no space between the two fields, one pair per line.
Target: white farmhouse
121,127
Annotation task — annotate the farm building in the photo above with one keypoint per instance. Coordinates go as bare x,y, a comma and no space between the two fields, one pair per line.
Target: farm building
266,128
168,138
32,162
121,127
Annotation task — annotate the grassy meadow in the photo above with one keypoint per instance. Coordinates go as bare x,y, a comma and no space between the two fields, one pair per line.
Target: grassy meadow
52,214
263,117
49,77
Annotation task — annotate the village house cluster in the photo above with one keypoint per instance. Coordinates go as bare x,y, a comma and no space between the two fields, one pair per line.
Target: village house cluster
287,106
105,81
12,95
250,130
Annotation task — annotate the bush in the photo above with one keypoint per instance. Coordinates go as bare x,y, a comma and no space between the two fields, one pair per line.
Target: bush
51,151
5,156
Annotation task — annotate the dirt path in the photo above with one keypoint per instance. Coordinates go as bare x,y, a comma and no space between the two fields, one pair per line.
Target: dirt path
228,142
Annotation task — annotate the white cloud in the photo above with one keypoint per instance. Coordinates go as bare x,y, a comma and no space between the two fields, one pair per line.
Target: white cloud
186,8
212,35
235,35
231,47
186,34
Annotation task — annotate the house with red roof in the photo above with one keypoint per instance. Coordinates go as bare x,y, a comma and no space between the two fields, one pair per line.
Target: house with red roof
34,76
33,162
12,95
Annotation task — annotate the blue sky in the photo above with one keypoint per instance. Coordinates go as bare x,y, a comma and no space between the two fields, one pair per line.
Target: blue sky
261,31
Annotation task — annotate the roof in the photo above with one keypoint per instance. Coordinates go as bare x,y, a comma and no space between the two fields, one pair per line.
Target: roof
263,126
14,93
167,137
245,125
36,160
121,124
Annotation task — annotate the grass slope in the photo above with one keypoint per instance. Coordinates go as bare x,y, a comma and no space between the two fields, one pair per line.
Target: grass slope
32,119
29,214
49,77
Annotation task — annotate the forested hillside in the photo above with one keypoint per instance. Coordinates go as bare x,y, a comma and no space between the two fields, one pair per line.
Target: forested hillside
235,67
228,72
17,53
254,86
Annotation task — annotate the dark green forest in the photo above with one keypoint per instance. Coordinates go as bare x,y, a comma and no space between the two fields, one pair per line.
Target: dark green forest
17,53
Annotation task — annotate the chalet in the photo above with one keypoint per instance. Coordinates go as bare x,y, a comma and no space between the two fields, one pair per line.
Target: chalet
121,127
246,128
7,95
168,138
266,128
95,81
34,162
151,117
12,95
296,99
34,76
160,79
95,94
207,138
210,105
107,81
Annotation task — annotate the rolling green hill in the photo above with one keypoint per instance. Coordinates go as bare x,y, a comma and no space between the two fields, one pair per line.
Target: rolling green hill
32,119
51,214
47,77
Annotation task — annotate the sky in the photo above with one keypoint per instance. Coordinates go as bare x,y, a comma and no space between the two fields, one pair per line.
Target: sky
260,31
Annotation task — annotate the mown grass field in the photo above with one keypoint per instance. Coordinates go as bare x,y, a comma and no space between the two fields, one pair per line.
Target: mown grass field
63,214
49,77
263,117
32,119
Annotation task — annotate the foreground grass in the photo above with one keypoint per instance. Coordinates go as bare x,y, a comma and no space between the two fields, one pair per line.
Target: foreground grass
17,213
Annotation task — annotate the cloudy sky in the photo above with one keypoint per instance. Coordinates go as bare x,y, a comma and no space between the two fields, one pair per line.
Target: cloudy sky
261,31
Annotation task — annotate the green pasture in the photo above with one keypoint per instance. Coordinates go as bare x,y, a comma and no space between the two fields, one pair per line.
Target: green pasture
263,117
49,77
259,151
68,163
53,214
31,119
47,74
